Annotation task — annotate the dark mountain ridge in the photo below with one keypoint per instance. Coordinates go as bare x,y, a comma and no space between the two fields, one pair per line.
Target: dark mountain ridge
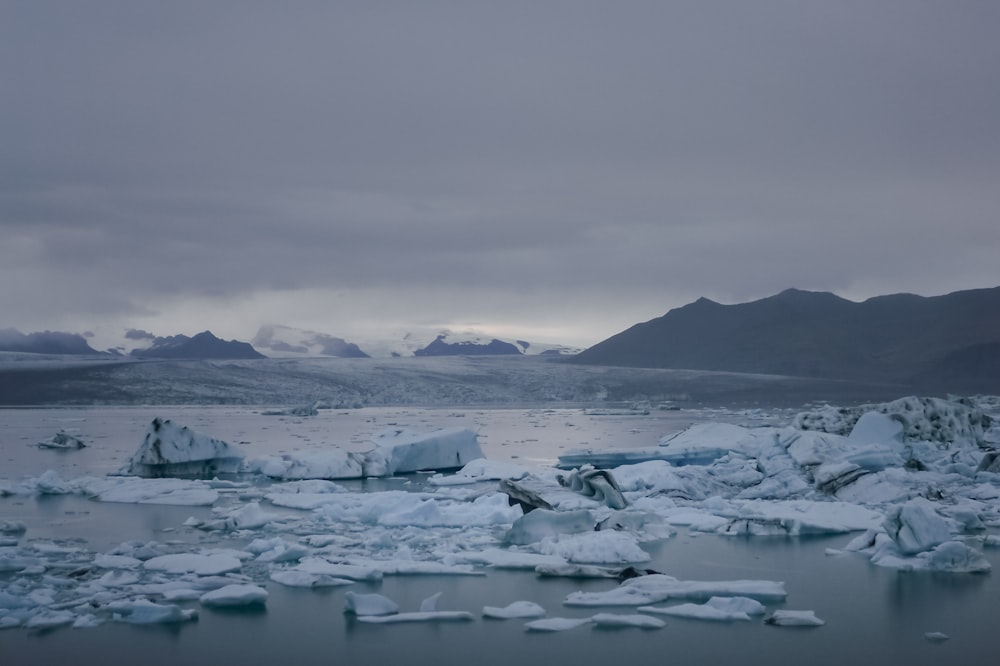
204,345
45,342
903,338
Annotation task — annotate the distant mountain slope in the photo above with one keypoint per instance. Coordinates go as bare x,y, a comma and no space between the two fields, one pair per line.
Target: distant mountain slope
816,334
46,342
202,346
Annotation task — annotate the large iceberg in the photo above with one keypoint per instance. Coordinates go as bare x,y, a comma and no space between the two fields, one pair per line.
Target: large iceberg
172,450
400,451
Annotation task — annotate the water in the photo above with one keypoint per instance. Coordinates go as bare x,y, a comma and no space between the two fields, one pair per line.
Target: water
873,615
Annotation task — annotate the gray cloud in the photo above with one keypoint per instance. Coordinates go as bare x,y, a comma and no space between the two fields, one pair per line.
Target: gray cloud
570,162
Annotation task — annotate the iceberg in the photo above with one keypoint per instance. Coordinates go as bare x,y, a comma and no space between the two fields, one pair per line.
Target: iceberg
401,451
329,463
238,594
916,526
172,450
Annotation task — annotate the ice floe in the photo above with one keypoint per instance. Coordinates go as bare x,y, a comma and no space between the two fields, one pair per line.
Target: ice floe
401,450
237,594
514,610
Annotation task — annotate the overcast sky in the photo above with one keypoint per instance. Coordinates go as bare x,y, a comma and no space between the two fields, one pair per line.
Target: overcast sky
554,171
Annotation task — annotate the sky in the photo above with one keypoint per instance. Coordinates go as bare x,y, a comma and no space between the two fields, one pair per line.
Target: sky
548,170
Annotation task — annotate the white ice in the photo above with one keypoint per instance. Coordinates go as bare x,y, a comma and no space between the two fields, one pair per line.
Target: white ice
238,594
170,450
514,610
794,618
401,450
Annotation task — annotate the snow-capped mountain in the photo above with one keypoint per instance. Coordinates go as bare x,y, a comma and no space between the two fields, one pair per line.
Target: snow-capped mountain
289,342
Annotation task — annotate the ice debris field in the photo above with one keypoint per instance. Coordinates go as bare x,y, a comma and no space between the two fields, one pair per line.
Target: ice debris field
912,484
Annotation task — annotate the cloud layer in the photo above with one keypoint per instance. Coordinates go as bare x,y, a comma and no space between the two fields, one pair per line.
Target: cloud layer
560,167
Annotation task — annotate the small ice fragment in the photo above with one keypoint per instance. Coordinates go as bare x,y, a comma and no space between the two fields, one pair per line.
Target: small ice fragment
240,594
369,604
628,620
936,636
518,609
794,618
556,623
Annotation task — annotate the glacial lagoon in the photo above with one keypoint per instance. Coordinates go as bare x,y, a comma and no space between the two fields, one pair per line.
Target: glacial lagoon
871,614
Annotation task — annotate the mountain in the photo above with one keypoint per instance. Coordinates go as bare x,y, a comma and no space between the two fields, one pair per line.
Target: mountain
293,342
438,347
941,340
202,346
46,342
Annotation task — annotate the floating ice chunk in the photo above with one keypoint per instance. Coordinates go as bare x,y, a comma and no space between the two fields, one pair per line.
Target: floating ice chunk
429,605
50,483
106,561
248,517
9,622
655,588
557,623
596,483
956,557
492,509
172,450
794,618
515,610
479,470
399,451
62,440
47,619
15,527
535,525
201,565
328,463
615,620
118,579
608,459
132,490
936,636
507,559
605,547
292,578
321,566
800,517
916,526
719,609
369,604
876,428
704,443
435,616
277,550
240,594
423,568
143,611
930,419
